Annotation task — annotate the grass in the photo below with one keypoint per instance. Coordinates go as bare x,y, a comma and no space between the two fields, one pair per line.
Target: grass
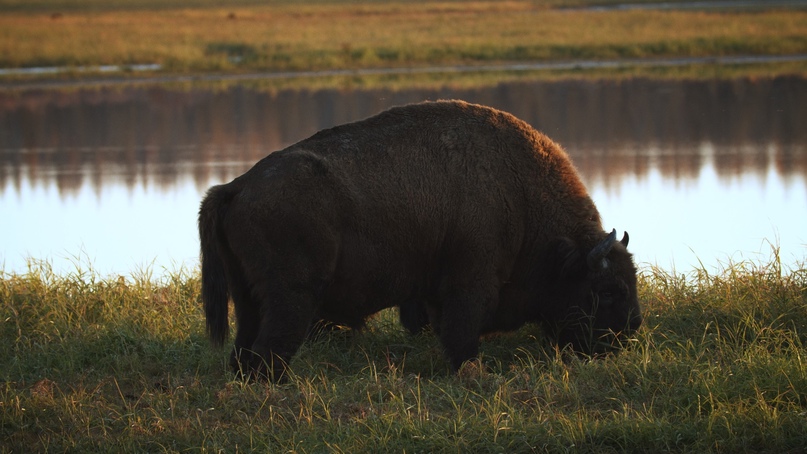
113,364
51,6
205,37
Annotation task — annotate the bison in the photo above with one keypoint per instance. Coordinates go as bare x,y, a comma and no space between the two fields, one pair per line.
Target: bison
463,216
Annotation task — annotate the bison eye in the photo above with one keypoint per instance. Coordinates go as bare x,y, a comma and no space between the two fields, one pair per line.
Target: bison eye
605,299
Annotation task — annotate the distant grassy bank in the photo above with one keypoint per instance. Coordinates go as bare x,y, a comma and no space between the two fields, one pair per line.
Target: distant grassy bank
112,365
130,5
205,37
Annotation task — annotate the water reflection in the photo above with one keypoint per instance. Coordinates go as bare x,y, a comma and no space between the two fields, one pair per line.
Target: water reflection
624,135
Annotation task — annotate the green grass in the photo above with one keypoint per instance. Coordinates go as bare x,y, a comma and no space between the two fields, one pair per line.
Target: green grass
113,364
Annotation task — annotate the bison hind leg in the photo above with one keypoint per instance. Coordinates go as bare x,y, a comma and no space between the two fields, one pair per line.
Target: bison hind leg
251,367
285,319
247,316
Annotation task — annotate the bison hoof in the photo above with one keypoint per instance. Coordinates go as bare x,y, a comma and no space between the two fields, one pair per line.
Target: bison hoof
251,367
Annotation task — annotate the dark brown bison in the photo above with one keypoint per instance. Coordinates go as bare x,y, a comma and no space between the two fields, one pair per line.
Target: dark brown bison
464,217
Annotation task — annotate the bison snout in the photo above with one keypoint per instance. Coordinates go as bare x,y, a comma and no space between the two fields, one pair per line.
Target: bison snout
634,324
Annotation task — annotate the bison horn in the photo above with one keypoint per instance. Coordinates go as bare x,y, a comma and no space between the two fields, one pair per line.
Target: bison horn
596,258
625,239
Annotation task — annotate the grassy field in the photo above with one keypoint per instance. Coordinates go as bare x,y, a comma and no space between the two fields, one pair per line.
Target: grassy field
110,365
204,36
130,5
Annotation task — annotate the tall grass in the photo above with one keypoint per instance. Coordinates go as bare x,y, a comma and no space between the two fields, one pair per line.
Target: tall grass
112,364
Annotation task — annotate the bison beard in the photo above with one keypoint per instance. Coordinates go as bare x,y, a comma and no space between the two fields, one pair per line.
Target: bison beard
463,216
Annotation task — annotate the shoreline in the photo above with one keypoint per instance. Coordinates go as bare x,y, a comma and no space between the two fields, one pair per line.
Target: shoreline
587,64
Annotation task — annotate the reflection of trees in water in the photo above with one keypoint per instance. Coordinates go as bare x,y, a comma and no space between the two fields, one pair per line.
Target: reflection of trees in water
612,128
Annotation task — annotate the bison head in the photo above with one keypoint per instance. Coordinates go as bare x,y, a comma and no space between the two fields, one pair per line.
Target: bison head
594,305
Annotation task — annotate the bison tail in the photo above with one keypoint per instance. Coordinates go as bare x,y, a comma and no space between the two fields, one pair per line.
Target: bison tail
215,292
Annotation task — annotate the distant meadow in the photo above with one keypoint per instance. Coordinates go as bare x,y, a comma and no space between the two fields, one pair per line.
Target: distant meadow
204,36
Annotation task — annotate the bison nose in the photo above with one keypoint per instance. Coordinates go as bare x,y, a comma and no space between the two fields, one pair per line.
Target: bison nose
635,323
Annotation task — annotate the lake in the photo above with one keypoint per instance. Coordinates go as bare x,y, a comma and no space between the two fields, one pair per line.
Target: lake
110,178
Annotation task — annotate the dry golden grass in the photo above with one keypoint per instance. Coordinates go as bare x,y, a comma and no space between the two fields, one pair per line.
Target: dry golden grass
384,34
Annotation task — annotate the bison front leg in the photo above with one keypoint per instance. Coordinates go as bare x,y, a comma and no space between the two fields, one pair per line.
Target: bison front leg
463,313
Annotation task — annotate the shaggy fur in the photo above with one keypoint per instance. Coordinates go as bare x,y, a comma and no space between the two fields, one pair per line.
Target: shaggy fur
461,215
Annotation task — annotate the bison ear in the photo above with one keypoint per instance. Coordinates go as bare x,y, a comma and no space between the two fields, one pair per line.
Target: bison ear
568,259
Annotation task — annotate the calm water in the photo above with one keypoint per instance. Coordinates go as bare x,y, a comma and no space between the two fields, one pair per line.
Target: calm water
704,171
